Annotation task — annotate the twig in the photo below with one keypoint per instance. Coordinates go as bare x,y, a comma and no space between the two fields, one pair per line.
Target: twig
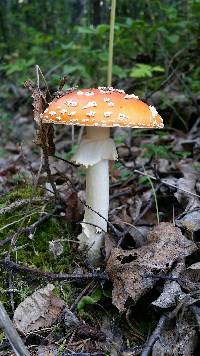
179,280
20,203
160,326
120,194
196,311
65,160
144,211
11,333
154,336
166,183
116,232
83,354
83,292
38,73
48,171
88,223
10,284
16,221
30,230
36,273
155,197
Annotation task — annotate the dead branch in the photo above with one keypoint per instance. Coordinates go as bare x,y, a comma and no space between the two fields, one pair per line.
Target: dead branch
30,230
45,132
160,326
147,207
83,354
166,183
20,203
11,333
89,286
196,311
65,160
154,336
112,227
36,273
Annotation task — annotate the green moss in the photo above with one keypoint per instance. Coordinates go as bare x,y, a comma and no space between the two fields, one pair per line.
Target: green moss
18,194
35,252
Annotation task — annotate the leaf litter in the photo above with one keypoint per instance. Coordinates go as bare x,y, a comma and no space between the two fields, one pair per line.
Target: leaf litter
39,310
130,271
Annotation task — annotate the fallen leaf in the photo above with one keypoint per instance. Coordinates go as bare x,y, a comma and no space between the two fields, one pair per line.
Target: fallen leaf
114,339
109,244
190,221
187,184
40,310
172,291
130,271
49,350
179,339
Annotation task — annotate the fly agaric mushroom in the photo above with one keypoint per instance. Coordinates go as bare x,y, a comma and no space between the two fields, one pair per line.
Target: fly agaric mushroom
98,110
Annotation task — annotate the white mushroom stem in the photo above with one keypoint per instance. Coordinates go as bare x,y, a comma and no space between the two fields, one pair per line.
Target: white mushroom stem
97,185
94,153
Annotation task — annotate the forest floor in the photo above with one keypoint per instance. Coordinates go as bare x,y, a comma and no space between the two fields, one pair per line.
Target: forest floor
144,298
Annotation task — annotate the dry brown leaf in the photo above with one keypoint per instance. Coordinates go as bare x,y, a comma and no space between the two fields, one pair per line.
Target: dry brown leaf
179,339
172,292
187,183
40,310
190,221
49,350
128,270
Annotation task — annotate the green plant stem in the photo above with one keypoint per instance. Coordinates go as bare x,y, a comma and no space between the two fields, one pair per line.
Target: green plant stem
155,197
111,42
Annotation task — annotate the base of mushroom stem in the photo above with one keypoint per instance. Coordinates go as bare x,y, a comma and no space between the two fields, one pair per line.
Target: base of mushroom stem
93,243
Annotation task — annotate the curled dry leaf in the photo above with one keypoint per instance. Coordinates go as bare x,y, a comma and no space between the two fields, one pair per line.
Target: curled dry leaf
40,310
190,221
130,270
172,291
187,183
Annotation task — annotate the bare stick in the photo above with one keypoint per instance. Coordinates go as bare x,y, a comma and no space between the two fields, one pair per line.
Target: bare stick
65,160
196,311
11,333
83,354
166,183
19,204
30,230
154,336
36,273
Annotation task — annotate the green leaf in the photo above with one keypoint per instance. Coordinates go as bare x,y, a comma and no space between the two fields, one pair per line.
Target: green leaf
119,72
144,70
87,30
103,28
158,69
67,69
141,71
144,180
173,38
88,300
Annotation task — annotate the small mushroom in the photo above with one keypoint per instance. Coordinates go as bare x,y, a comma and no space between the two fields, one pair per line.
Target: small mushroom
97,148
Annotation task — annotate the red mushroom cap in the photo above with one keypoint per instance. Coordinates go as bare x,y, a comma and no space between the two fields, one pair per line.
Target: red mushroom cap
103,107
